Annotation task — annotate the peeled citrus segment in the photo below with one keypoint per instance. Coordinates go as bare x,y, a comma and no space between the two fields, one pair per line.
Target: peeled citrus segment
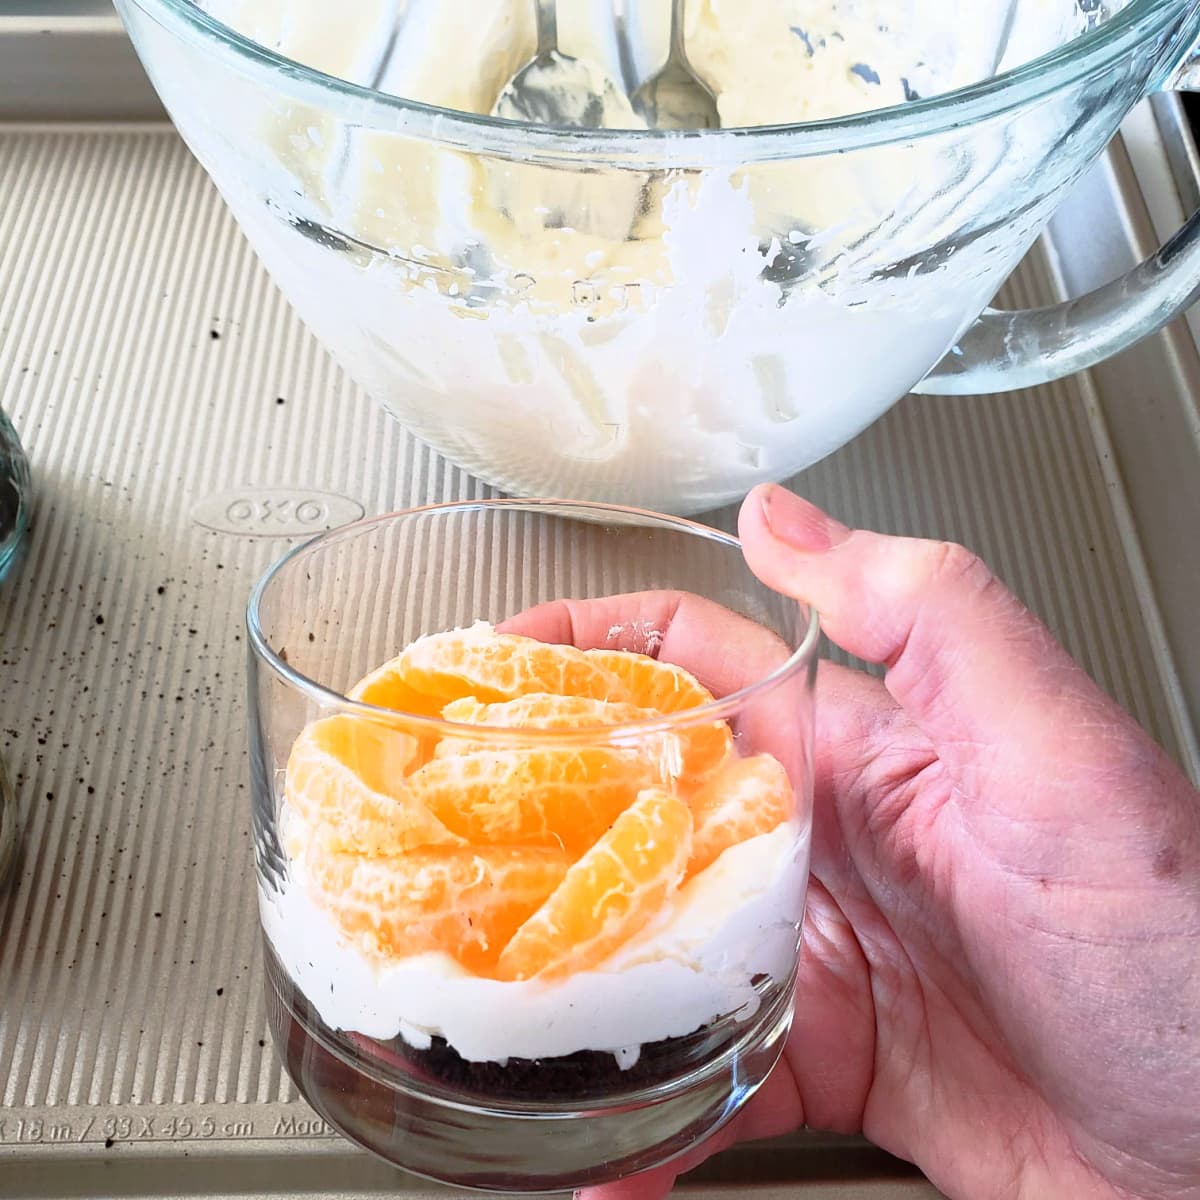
748,796
610,893
538,710
388,688
689,753
565,796
543,710
649,683
667,689
495,666
467,901
346,775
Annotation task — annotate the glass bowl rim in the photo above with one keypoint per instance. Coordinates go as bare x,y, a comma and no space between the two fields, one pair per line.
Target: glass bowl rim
799,660
1089,53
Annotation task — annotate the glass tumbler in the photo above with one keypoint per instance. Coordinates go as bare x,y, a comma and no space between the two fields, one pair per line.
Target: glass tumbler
14,515
14,492
531,899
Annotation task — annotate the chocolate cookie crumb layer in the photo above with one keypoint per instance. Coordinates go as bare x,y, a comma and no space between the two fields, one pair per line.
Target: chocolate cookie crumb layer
584,1074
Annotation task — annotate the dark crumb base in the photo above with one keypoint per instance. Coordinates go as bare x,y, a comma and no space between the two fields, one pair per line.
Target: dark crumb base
575,1076
582,1076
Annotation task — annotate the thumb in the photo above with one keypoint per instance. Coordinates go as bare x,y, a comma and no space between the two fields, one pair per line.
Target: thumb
652,1185
971,666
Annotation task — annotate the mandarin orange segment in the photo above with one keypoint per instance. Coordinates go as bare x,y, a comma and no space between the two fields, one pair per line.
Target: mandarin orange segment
388,688
501,666
703,748
566,796
466,901
661,686
748,796
538,710
689,754
608,894
667,688
347,775
545,710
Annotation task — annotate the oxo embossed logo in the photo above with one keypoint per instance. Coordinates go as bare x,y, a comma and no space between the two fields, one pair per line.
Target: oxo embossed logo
275,512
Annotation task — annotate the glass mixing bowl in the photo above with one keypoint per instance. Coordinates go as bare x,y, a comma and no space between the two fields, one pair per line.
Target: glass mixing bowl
666,319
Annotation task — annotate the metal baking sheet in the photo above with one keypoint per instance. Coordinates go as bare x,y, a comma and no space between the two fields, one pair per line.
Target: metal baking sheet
70,60
158,379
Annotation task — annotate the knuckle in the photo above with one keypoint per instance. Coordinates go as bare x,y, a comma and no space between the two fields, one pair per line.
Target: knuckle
942,578
953,566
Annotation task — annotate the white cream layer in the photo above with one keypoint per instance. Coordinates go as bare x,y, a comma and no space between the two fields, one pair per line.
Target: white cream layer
541,329
737,919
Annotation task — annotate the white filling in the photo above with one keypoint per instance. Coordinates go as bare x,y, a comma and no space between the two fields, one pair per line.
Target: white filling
604,333
737,919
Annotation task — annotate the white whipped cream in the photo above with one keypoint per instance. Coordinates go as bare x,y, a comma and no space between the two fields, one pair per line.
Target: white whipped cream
601,333
726,385
737,919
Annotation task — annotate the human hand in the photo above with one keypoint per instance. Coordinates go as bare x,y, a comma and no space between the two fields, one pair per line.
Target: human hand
1000,976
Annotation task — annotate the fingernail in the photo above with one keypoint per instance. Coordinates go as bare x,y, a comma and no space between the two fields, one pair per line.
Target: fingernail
801,525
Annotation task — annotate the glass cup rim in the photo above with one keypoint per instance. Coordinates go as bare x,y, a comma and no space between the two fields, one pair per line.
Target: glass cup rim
1089,53
328,698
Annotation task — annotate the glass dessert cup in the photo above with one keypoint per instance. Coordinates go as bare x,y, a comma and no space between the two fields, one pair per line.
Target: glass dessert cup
14,493
506,955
